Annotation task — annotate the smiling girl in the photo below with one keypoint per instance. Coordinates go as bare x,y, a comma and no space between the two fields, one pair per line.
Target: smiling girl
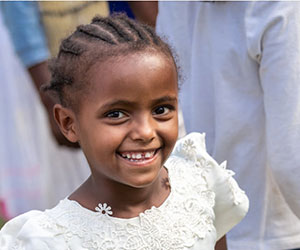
116,86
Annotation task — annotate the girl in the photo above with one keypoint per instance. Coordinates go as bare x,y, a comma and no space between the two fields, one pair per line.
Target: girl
116,83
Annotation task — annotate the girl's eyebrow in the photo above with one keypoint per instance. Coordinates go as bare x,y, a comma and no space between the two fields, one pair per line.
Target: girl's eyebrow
116,103
165,99
129,103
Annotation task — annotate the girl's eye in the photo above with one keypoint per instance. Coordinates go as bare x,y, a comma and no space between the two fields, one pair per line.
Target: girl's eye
162,110
115,114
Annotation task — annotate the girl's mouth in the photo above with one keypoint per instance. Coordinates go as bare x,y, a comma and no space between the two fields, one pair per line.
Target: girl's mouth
138,156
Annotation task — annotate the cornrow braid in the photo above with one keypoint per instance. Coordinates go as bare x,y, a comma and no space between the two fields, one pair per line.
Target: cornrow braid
115,28
137,28
68,46
96,32
104,37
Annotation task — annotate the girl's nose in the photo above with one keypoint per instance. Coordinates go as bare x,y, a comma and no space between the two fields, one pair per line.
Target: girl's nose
143,130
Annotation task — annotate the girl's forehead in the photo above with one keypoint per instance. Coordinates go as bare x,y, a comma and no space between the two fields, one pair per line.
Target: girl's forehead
147,75
129,67
147,57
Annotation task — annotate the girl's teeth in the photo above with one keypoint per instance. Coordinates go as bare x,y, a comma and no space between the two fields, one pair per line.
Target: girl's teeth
137,156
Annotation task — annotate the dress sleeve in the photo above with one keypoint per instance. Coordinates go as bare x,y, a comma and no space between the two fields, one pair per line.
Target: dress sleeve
273,31
230,202
29,231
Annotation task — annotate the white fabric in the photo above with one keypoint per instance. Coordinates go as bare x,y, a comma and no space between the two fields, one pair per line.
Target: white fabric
241,65
35,173
205,202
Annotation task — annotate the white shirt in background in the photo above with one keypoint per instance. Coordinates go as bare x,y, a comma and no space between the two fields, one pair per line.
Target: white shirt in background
241,69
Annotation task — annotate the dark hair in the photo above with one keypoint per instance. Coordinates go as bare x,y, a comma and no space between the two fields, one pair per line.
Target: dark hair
103,38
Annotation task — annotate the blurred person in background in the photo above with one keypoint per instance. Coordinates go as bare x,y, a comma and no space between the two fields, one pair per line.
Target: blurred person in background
20,152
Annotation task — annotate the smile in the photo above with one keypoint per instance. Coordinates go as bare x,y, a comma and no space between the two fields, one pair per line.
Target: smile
138,156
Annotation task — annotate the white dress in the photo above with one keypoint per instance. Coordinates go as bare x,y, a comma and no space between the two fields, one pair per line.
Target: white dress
205,202
241,65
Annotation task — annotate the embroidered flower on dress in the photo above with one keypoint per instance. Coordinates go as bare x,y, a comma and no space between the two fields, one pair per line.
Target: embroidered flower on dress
104,209
189,148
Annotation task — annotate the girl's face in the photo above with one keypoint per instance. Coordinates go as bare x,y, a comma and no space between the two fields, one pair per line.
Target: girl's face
127,126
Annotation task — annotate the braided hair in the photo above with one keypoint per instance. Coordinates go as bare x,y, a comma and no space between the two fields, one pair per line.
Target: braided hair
103,38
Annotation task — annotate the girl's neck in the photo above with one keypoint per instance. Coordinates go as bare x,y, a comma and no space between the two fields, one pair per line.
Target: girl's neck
125,201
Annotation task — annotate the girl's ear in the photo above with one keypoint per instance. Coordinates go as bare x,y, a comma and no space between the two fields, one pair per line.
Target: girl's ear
65,118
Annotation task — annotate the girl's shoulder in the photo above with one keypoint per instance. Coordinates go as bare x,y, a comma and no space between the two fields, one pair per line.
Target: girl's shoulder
190,161
32,230
191,167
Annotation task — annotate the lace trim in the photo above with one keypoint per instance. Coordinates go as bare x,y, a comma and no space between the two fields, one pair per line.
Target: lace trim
188,150
17,245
